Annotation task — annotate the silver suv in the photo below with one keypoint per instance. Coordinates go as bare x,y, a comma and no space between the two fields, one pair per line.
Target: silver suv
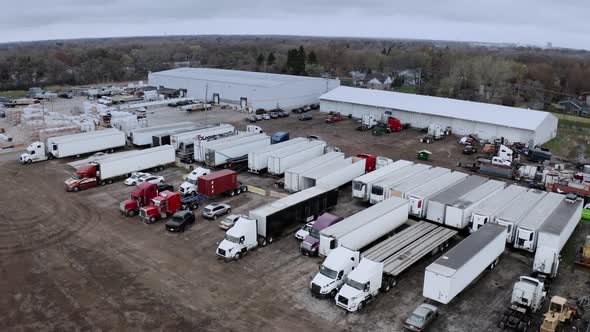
214,210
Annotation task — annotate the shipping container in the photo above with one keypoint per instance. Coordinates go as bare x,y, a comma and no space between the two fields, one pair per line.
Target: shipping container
487,211
279,163
200,146
419,197
258,160
292,175
450,274
415,181
143,136
217,183
527,230
380,189
361,186
511,216
219,156
438,203
339,177
458,212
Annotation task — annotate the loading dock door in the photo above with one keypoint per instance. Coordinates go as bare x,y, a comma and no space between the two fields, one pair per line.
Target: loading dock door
216,98
243,102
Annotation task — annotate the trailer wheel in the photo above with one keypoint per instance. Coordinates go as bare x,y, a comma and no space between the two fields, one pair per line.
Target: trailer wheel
270,240
238,191
131,213
263,242
245,189
232,193
194,206
109,181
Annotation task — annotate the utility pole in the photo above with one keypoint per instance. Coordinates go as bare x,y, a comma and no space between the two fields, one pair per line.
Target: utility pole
206,92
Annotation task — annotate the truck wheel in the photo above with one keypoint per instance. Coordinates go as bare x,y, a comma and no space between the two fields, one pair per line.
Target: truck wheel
232,193
245,189
152,220
50,156
333,293
109,181
29,161
76,189
263,242
131,213
361,306
193,193
238,191
385,287
102,183
237,256
270,240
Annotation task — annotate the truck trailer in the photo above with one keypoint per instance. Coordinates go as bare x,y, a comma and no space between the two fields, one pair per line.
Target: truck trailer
216,157
258,160
292,175
365,227
419,197
458,213
361,186
206,134
354,168
74,145
554,234
437,205
201,146
106,170
277,219
527,230
221,182
143,136
451,273
402,188
380,189
311,177
514,212
487,211
279,163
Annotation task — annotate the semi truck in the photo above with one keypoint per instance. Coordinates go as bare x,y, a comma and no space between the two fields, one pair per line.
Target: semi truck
487,211
108,169
402,188
554,234
293,174
141,196
361,186
392,257
354,168
276,219
144,136
189,186
437,205
527,298
223,182
380,189
311,243
527,230
258,160
74,145
458,213
200,146
162,206
279,163
514,212
451,273
216,157
420,197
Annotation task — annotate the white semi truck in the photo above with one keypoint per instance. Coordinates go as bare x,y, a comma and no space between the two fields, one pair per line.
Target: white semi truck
361,186
527,231
380,189
458,213
293,182
74,145
487,211
190,185
419,197
437,205
516,211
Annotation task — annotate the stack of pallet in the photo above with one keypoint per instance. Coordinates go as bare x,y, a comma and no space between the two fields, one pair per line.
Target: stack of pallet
13,116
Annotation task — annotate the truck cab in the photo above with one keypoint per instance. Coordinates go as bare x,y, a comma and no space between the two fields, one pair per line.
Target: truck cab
370,161
528,292
477,221
84,178
163,205
333,271
311,243
140,197
35,152
190,185
239,239
253,129
360,286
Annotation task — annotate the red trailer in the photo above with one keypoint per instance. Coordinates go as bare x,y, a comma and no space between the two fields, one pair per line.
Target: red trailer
220,182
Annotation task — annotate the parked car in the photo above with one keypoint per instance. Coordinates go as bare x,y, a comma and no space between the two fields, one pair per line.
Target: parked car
283,114
175,104
214,210
134,178
421,317
165,186
305,117
314,106
274,115
151,179
265,116
259,117
229,221
251,118
179,221
304,231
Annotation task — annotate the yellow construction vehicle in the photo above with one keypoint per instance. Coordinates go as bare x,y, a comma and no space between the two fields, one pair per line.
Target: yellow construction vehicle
561,311
584,255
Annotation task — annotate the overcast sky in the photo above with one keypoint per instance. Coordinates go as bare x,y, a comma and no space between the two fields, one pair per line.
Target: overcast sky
565,23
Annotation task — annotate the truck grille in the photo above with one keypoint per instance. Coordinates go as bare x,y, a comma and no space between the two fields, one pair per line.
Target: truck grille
181,190
343,300
315,288
142,213
221,252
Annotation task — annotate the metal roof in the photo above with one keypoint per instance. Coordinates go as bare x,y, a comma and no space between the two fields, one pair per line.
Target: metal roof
258,79
560,217
537,217
514,117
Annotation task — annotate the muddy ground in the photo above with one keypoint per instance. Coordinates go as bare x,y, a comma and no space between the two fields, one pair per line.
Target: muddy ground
70,261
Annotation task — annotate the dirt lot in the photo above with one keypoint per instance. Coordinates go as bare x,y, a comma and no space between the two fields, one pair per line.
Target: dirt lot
72,262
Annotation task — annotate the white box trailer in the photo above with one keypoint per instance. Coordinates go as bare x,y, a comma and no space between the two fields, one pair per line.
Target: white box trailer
527,230
450,274
310,178
458,213
216,157
346,174
437,205
280,162
200,146
401,189
554,234
206,134
258,161
292,175
419,197
514,212
380,189
361,186
122,163
143,136
359,230
487,211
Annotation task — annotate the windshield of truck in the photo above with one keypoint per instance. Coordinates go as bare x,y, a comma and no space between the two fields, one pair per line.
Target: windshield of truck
76,177
191,181
315,233
232,238
357,185
156,203
306,228
328,272
355,284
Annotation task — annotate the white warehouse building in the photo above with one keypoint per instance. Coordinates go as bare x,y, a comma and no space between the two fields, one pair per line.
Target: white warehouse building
488,121
244,88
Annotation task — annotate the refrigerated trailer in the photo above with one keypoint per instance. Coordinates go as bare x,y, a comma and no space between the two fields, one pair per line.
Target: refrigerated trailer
74,145
310,178
380,189
361,186
437,205
487,211
281,162
143,136
206,134
419,197
554,234
401,189
527,230
201,146
106,170
293,174
258,160
365,227
458,212
215,157
355,167
451,273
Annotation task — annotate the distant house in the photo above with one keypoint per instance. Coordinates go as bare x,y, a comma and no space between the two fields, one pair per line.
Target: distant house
576,107
410,77
375,81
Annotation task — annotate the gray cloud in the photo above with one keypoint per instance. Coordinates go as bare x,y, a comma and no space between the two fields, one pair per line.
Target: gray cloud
527,21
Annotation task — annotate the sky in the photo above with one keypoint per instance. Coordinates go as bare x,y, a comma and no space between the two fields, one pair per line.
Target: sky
564,23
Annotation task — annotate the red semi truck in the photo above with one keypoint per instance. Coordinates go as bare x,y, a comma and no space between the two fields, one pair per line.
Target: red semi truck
220,182
164,205
370,161
141,196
